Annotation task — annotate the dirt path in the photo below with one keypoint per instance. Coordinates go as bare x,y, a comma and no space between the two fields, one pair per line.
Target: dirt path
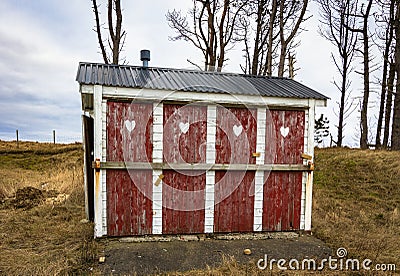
144,258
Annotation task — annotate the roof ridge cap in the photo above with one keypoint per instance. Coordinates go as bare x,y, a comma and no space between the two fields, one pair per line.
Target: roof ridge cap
184,70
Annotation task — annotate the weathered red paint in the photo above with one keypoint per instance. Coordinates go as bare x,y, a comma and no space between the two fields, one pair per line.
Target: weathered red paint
282,190
129,211
235,213
234,190
280,149
282,201
185,134
175,186
129,139
138,141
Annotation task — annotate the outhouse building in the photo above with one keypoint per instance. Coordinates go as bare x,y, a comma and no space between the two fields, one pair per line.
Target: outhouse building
173,151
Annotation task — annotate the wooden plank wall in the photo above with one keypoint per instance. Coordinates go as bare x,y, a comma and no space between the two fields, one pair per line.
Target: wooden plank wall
283,190
179,191
185,140
234,191
130,212
129,136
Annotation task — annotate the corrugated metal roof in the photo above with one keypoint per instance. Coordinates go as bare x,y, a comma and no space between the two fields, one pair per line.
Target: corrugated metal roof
192,80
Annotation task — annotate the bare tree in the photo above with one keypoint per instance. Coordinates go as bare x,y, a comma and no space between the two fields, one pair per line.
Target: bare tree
271,38
258,26
385,20
212,28
291,15
396,107
364,15
268,29
336,18
116,37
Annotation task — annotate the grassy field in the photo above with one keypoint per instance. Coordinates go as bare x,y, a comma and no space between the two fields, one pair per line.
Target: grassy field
50,238
356,206
357,202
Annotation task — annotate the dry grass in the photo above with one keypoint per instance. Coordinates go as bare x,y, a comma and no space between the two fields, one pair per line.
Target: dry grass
43,166
48,239
357,202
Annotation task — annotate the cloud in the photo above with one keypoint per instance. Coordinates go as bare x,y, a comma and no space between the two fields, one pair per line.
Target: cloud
37,71
42,41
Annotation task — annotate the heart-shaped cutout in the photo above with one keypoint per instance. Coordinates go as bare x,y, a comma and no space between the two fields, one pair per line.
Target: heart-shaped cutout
284,131
184,127
237,130
130,125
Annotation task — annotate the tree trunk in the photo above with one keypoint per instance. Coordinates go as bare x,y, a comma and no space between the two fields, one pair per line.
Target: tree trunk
282,57
364,107
212,43
256,51
378,143
274,9
283,42
388,109
342,103
98,31
115,37
396,116
383,118
396,108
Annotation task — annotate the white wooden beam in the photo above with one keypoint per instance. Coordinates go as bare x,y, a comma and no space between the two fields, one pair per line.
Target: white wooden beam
210,175
205,97
104,159
86,88
158,134
304,176
309,183
201,166
157,202
259,175
98,154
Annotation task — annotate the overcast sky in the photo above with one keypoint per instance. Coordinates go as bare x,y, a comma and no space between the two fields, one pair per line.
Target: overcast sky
42,42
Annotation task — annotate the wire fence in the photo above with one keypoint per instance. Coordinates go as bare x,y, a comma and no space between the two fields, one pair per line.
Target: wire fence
51,137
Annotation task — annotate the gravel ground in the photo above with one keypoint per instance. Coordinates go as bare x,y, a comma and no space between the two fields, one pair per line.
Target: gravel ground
132,256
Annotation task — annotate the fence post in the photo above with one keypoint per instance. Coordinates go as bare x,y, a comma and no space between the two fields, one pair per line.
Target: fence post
17,138
54,136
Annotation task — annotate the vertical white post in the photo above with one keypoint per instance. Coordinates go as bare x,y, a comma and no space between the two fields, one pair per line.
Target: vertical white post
98,193
158,130
210,175
309,183
259,176
104,159
305,174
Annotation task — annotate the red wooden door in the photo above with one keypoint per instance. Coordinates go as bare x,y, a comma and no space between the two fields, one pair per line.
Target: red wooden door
234,190
129,139
284,144
185,134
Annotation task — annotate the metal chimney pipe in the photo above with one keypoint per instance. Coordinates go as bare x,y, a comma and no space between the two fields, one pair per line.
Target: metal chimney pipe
145,57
